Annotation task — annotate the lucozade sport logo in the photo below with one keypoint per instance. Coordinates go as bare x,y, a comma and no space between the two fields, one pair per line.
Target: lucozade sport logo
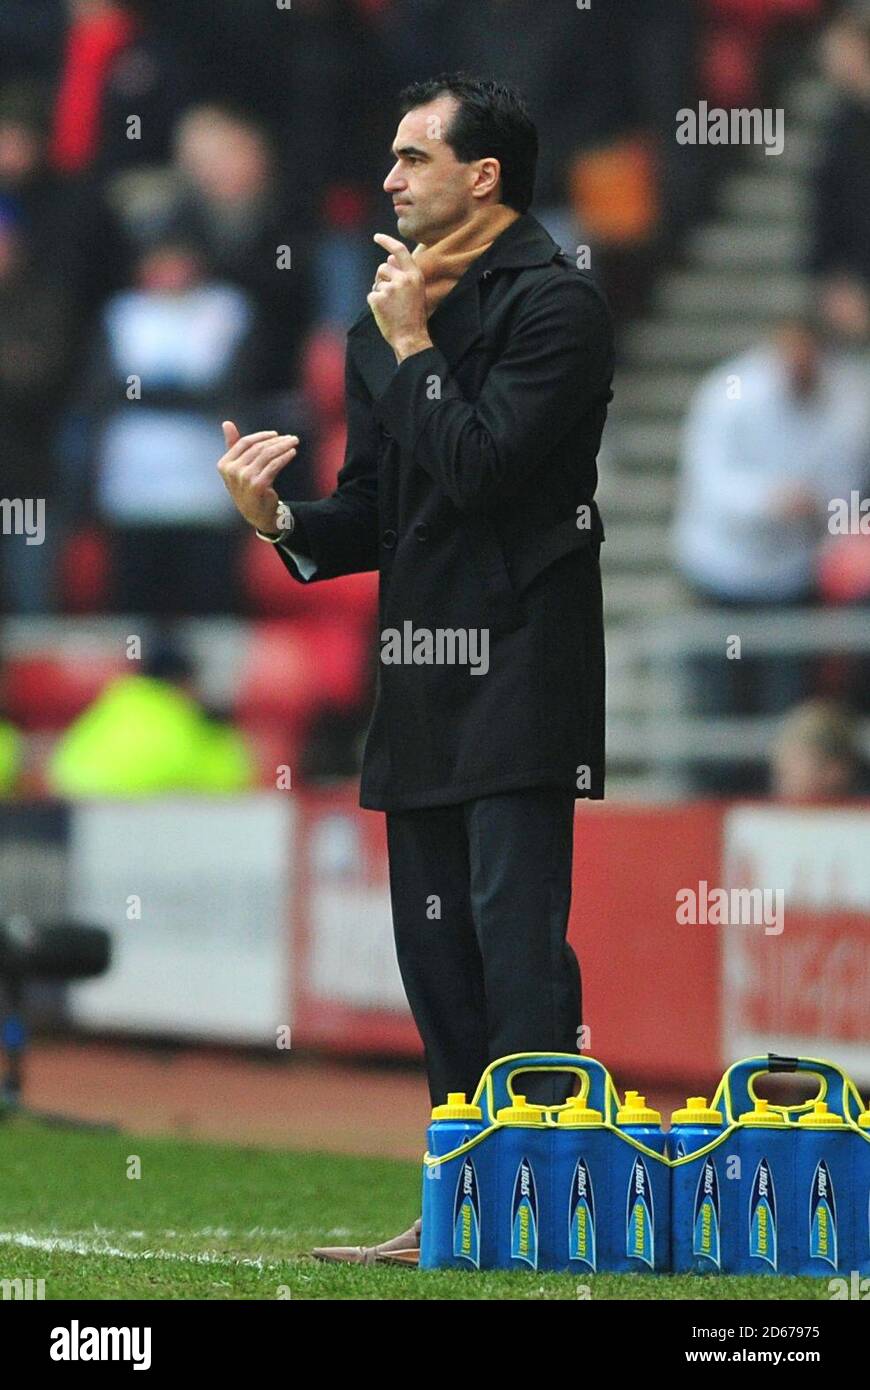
524,1216
762,1215
640,1214
581,1217
706,1222
466,1215
823,1216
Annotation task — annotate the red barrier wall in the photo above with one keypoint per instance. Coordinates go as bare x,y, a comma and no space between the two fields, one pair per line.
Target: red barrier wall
664,999
649,986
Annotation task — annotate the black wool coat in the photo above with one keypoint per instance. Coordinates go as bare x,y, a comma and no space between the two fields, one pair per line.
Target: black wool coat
468,484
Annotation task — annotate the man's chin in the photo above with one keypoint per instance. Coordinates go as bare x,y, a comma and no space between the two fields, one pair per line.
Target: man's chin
404,223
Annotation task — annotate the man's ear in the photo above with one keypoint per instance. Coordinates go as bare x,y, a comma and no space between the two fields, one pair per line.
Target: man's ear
488,175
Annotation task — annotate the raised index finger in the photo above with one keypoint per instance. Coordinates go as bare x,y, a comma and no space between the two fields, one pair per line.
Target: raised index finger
397,248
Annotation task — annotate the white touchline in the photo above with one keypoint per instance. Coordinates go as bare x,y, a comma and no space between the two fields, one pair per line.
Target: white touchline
65,1245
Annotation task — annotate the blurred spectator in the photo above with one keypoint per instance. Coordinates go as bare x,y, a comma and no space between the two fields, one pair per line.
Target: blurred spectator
146,735
327,104
174,350
738,33
233,200
25,180
816,756
771,438
118,88
71,235
840,253
34,328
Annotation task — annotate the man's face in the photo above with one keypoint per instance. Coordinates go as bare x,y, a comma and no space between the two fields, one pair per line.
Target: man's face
20,150
433,192
226,160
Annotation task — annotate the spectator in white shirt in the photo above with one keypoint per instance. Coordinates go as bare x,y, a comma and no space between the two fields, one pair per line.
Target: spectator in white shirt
169,348
771,438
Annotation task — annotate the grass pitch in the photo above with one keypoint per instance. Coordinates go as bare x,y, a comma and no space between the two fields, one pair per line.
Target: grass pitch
208,1221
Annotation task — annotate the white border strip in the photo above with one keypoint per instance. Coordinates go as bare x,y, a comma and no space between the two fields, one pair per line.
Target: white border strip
66,1245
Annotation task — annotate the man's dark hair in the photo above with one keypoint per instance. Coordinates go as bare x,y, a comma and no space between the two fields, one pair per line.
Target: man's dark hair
491,121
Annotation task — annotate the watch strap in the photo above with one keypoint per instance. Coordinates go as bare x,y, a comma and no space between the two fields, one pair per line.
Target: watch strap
288,524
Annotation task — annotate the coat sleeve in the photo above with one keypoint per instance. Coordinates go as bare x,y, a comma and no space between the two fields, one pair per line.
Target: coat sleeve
558,362
340,532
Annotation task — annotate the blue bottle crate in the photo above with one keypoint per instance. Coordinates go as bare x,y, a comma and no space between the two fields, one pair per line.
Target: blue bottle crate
777,1189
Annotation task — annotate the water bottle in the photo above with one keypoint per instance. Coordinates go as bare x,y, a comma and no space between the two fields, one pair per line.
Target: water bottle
641,1206
522,1188
825,1238
696,1188
765,1241
582,1155
457,1194
693,1126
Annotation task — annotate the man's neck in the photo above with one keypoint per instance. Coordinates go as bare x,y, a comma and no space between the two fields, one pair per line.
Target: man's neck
435,234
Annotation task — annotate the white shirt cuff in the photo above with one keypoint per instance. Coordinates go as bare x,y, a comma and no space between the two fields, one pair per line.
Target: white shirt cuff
305,565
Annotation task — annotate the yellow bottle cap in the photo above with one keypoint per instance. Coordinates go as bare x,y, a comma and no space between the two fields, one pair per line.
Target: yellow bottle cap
457,1108
577,1112
696,1112
520,1113
820,1117
762,1115
635,1111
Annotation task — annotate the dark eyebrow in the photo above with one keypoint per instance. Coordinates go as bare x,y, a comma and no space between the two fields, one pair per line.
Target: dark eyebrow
410,149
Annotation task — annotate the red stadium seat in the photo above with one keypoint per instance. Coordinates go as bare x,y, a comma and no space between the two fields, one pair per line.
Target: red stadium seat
267,585
295,668
276,682
47,692
844,570
273,745
274,594
84,572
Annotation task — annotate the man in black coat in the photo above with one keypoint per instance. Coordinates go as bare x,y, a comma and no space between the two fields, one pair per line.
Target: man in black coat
477,387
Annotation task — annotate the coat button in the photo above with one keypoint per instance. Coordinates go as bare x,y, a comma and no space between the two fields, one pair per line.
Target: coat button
389,539
421,531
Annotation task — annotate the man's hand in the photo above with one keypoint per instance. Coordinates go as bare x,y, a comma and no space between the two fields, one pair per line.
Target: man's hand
250,466
398,299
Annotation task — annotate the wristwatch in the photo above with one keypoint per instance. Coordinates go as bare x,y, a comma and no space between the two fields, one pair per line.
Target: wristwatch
286,523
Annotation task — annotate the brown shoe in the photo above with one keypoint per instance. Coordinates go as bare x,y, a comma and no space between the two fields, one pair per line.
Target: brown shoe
403,1249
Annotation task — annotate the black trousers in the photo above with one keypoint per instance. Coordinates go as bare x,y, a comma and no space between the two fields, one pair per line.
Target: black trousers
480,897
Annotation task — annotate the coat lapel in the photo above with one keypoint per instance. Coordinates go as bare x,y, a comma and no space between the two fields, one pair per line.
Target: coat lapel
372,354
456,326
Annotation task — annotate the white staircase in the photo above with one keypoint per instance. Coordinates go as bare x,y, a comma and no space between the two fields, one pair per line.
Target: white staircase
741,271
